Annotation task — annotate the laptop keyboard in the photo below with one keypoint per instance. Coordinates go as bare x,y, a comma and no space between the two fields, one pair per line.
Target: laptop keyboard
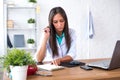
103,63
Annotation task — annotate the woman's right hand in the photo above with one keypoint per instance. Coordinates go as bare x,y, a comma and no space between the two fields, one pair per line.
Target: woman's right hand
47,32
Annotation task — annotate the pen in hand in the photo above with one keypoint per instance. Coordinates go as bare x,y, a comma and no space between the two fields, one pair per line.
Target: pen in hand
47,29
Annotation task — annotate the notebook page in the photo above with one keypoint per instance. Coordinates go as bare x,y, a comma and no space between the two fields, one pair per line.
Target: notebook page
49,67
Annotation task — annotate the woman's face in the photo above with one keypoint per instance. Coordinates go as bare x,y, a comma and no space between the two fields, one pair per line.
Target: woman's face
58,23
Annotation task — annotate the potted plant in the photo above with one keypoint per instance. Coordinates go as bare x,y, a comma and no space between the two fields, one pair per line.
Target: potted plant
16,62
31,22
32,2
30,42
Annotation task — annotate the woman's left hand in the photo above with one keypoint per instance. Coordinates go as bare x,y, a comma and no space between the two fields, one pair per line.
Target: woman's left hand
56,61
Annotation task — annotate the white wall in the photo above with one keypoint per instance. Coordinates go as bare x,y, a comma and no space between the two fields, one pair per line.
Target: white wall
1,29
106,15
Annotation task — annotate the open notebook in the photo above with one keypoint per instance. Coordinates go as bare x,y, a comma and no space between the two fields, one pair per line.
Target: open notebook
49,67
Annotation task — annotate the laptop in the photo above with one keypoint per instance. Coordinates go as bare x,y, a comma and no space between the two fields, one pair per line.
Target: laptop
109,64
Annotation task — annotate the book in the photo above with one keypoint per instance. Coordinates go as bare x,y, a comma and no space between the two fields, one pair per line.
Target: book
49,67
19,40
9,44
10,23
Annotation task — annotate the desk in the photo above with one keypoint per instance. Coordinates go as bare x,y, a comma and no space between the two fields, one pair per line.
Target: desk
76,73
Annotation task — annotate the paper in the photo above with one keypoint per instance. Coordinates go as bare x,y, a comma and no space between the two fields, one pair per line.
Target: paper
49,67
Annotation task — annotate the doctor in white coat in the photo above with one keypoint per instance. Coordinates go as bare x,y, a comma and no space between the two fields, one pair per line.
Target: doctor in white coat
58,43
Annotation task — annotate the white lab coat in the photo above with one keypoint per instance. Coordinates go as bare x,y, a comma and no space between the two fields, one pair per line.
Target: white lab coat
62,48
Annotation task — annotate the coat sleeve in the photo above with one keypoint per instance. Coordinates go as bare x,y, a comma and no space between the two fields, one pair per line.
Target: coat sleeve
72,50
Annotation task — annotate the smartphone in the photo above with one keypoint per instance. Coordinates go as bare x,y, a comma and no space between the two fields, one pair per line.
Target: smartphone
86,67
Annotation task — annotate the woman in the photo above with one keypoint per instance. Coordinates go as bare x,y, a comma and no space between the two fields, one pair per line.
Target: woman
58,41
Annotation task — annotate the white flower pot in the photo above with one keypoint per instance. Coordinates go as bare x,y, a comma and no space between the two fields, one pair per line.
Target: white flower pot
31,45
19,72
31,4
31,25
